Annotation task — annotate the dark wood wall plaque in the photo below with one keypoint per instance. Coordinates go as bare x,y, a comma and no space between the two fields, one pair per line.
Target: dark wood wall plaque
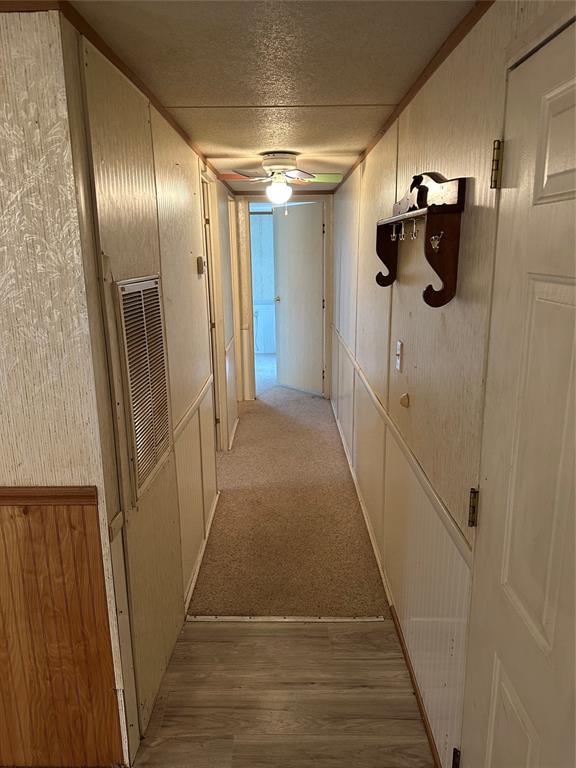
440,202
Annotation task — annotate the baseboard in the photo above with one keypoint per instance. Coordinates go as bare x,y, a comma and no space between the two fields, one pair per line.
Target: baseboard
390,599
288,619
419,699
198,564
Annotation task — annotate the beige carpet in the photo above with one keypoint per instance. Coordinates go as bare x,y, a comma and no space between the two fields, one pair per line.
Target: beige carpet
288,537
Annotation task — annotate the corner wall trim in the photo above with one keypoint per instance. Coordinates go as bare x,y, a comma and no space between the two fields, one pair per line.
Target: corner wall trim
23,496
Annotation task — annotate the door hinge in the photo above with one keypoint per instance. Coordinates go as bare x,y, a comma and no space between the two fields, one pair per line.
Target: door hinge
212,326
323,303
323,228
206,220
455,758
496,173
473,508
217,421
323,375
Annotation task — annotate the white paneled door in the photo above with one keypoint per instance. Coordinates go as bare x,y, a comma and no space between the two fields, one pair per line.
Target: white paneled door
299,271
519,703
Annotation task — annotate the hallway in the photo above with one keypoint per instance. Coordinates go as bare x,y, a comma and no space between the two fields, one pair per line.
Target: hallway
286,695
288,537
287,383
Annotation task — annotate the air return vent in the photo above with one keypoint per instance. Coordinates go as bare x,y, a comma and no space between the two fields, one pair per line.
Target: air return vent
146,372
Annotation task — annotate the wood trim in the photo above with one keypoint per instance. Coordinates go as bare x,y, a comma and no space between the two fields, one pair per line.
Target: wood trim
28,6
61,496
419,699
452,41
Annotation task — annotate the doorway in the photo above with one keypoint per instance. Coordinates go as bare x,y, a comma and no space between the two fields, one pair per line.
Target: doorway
263,295
287,254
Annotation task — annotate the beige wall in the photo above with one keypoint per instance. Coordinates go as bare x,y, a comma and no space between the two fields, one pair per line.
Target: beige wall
149,221
223,299
49,416
414,466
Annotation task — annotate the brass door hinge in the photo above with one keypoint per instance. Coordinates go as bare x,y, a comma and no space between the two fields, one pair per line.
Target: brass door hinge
496,173
473,508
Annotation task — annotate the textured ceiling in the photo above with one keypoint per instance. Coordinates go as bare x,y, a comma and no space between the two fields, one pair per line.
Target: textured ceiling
248,76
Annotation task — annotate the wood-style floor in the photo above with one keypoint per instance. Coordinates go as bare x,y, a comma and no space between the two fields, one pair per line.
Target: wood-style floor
286,695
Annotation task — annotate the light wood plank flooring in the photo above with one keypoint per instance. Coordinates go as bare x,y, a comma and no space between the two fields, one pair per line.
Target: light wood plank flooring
257,695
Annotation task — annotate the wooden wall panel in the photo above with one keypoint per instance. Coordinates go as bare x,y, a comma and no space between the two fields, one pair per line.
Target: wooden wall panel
208,444
369,439
445,349
232,404
430,584
334,372
156,584
58,703
121,142
346,213
378,194
123,161
225,261
191,502
181,242
346,396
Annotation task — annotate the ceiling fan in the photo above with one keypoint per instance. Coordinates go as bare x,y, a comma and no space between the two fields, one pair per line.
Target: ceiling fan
281,171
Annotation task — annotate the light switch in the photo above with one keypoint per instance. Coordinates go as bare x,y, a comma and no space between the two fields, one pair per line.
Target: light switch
399,351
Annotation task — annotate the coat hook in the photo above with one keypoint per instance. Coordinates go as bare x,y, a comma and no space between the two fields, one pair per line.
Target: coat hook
402,233
435,241
414,233
393,235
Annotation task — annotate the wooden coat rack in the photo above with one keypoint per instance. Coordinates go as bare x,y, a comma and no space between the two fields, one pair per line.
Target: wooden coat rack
440,202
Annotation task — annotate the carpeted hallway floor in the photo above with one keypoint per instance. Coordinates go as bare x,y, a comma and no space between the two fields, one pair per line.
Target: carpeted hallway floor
288,537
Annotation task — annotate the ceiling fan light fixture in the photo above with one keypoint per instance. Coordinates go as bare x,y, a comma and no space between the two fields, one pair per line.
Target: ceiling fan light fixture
279,191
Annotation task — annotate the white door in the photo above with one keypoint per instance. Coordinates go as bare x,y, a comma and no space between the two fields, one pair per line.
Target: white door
299,270
519,702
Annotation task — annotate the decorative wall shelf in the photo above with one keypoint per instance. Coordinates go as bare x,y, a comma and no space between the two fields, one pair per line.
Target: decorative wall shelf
439,202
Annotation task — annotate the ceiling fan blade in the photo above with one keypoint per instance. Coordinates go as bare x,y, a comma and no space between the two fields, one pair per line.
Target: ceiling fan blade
298,174
327,178
254,175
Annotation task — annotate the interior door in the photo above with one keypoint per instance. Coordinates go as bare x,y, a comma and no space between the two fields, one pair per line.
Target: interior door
519,703
299,269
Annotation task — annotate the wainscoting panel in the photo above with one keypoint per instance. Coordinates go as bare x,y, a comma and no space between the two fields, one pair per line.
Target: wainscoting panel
58,703
190,497
430,584
369,439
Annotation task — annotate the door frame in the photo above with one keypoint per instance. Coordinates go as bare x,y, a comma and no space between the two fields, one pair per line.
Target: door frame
245,253
217,342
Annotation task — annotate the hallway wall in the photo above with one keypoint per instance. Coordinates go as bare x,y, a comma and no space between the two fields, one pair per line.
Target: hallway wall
414,466
149,222
49,405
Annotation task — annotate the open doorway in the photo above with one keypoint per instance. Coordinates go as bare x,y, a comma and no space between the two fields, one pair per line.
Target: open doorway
287,254
263,295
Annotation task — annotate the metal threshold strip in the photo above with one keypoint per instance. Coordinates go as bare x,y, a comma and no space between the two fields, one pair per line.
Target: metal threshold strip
293,619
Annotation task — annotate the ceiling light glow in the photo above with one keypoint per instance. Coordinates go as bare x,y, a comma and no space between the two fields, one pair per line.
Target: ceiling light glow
279,191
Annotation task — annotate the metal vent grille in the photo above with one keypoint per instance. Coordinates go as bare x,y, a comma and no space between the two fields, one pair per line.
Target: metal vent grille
146,369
